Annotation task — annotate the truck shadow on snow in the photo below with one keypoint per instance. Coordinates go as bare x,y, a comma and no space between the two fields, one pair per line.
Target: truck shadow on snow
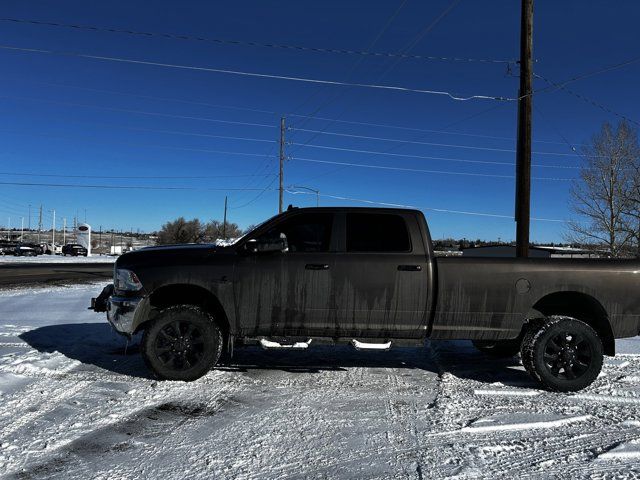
91,344
95,344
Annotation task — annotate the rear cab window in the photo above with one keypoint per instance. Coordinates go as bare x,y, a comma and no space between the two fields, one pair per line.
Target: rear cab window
377,232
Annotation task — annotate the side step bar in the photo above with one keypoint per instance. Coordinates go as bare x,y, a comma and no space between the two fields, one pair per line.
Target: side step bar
269,345
371,346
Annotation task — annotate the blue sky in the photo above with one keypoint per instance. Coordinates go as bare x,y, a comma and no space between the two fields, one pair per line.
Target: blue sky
65,115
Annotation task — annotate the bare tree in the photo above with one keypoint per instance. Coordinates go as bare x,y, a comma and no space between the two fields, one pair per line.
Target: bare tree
180,231
602,195
215,230
633,195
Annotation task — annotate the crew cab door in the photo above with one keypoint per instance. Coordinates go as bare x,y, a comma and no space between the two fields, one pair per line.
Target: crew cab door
286,291
381,276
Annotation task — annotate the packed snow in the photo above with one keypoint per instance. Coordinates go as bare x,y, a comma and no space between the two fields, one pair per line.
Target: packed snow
77,402
58,259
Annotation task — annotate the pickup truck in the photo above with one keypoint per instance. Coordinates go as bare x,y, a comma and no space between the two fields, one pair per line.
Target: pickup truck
368,277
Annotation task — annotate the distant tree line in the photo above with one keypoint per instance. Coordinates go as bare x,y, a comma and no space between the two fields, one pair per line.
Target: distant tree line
181,230
606,197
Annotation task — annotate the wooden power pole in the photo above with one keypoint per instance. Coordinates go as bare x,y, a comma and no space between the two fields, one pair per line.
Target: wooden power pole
281,198
523,152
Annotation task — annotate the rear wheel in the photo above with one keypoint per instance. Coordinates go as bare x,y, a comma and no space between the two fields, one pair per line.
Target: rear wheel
563,354
182,343
498,348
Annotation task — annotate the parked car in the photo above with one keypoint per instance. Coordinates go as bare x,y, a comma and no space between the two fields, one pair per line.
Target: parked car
7,249
74,250
24,251
368,277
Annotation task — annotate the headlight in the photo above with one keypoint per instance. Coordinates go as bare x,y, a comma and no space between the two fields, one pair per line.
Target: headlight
126,280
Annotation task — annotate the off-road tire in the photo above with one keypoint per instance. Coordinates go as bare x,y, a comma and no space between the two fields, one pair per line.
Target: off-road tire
498,348
182,343
562,354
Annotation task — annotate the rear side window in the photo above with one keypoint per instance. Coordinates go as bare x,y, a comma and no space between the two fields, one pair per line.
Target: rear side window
377,232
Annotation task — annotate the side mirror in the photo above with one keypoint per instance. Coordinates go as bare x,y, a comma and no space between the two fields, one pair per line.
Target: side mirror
255,245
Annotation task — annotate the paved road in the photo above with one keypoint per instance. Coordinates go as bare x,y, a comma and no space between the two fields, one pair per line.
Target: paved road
22,274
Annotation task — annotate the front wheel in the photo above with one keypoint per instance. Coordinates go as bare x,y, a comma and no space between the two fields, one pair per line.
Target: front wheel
563,354
182,343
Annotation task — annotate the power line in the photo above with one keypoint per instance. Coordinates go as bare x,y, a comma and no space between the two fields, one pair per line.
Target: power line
122,187
432,209
267,188
587,100
598,72
260,75
355,65
406,49
153,97
153,177
133,144
140,112
373,152
255,44
419,170
464,160
420,130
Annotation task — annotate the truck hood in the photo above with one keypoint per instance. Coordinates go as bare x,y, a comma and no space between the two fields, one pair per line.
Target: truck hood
186,254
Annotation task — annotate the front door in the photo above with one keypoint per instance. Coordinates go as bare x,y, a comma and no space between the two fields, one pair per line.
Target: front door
286,292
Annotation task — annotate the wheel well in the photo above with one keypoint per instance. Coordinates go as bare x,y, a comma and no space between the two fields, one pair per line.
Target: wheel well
181,294
581,307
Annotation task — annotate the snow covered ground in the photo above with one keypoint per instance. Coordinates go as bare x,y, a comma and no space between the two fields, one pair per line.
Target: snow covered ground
75,404
57,259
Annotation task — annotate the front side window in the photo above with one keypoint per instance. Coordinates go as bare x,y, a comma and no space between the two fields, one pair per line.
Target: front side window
377,232
304,233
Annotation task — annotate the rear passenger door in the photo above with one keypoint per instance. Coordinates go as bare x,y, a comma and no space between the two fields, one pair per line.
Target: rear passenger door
380,276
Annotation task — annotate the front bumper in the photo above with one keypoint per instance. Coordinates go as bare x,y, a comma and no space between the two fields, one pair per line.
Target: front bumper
121,311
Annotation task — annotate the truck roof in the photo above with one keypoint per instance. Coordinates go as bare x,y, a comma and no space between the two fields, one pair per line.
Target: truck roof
351,209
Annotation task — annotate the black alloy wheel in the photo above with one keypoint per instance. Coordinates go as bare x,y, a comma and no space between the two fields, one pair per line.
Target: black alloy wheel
183,342
562,353
568,355
179,345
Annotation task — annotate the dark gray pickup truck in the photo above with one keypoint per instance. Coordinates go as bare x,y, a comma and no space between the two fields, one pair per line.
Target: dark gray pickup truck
368,277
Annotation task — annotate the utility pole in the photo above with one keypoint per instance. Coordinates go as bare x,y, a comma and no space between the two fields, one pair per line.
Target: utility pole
53,229
29,217
64,231
523,152
39,223
282,129
100,237
21,229
224,223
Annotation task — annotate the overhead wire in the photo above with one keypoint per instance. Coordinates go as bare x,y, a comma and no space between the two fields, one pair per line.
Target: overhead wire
587,100
406,49
135,111
419,170
432,209
244,43
452,96
421,130
446,145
